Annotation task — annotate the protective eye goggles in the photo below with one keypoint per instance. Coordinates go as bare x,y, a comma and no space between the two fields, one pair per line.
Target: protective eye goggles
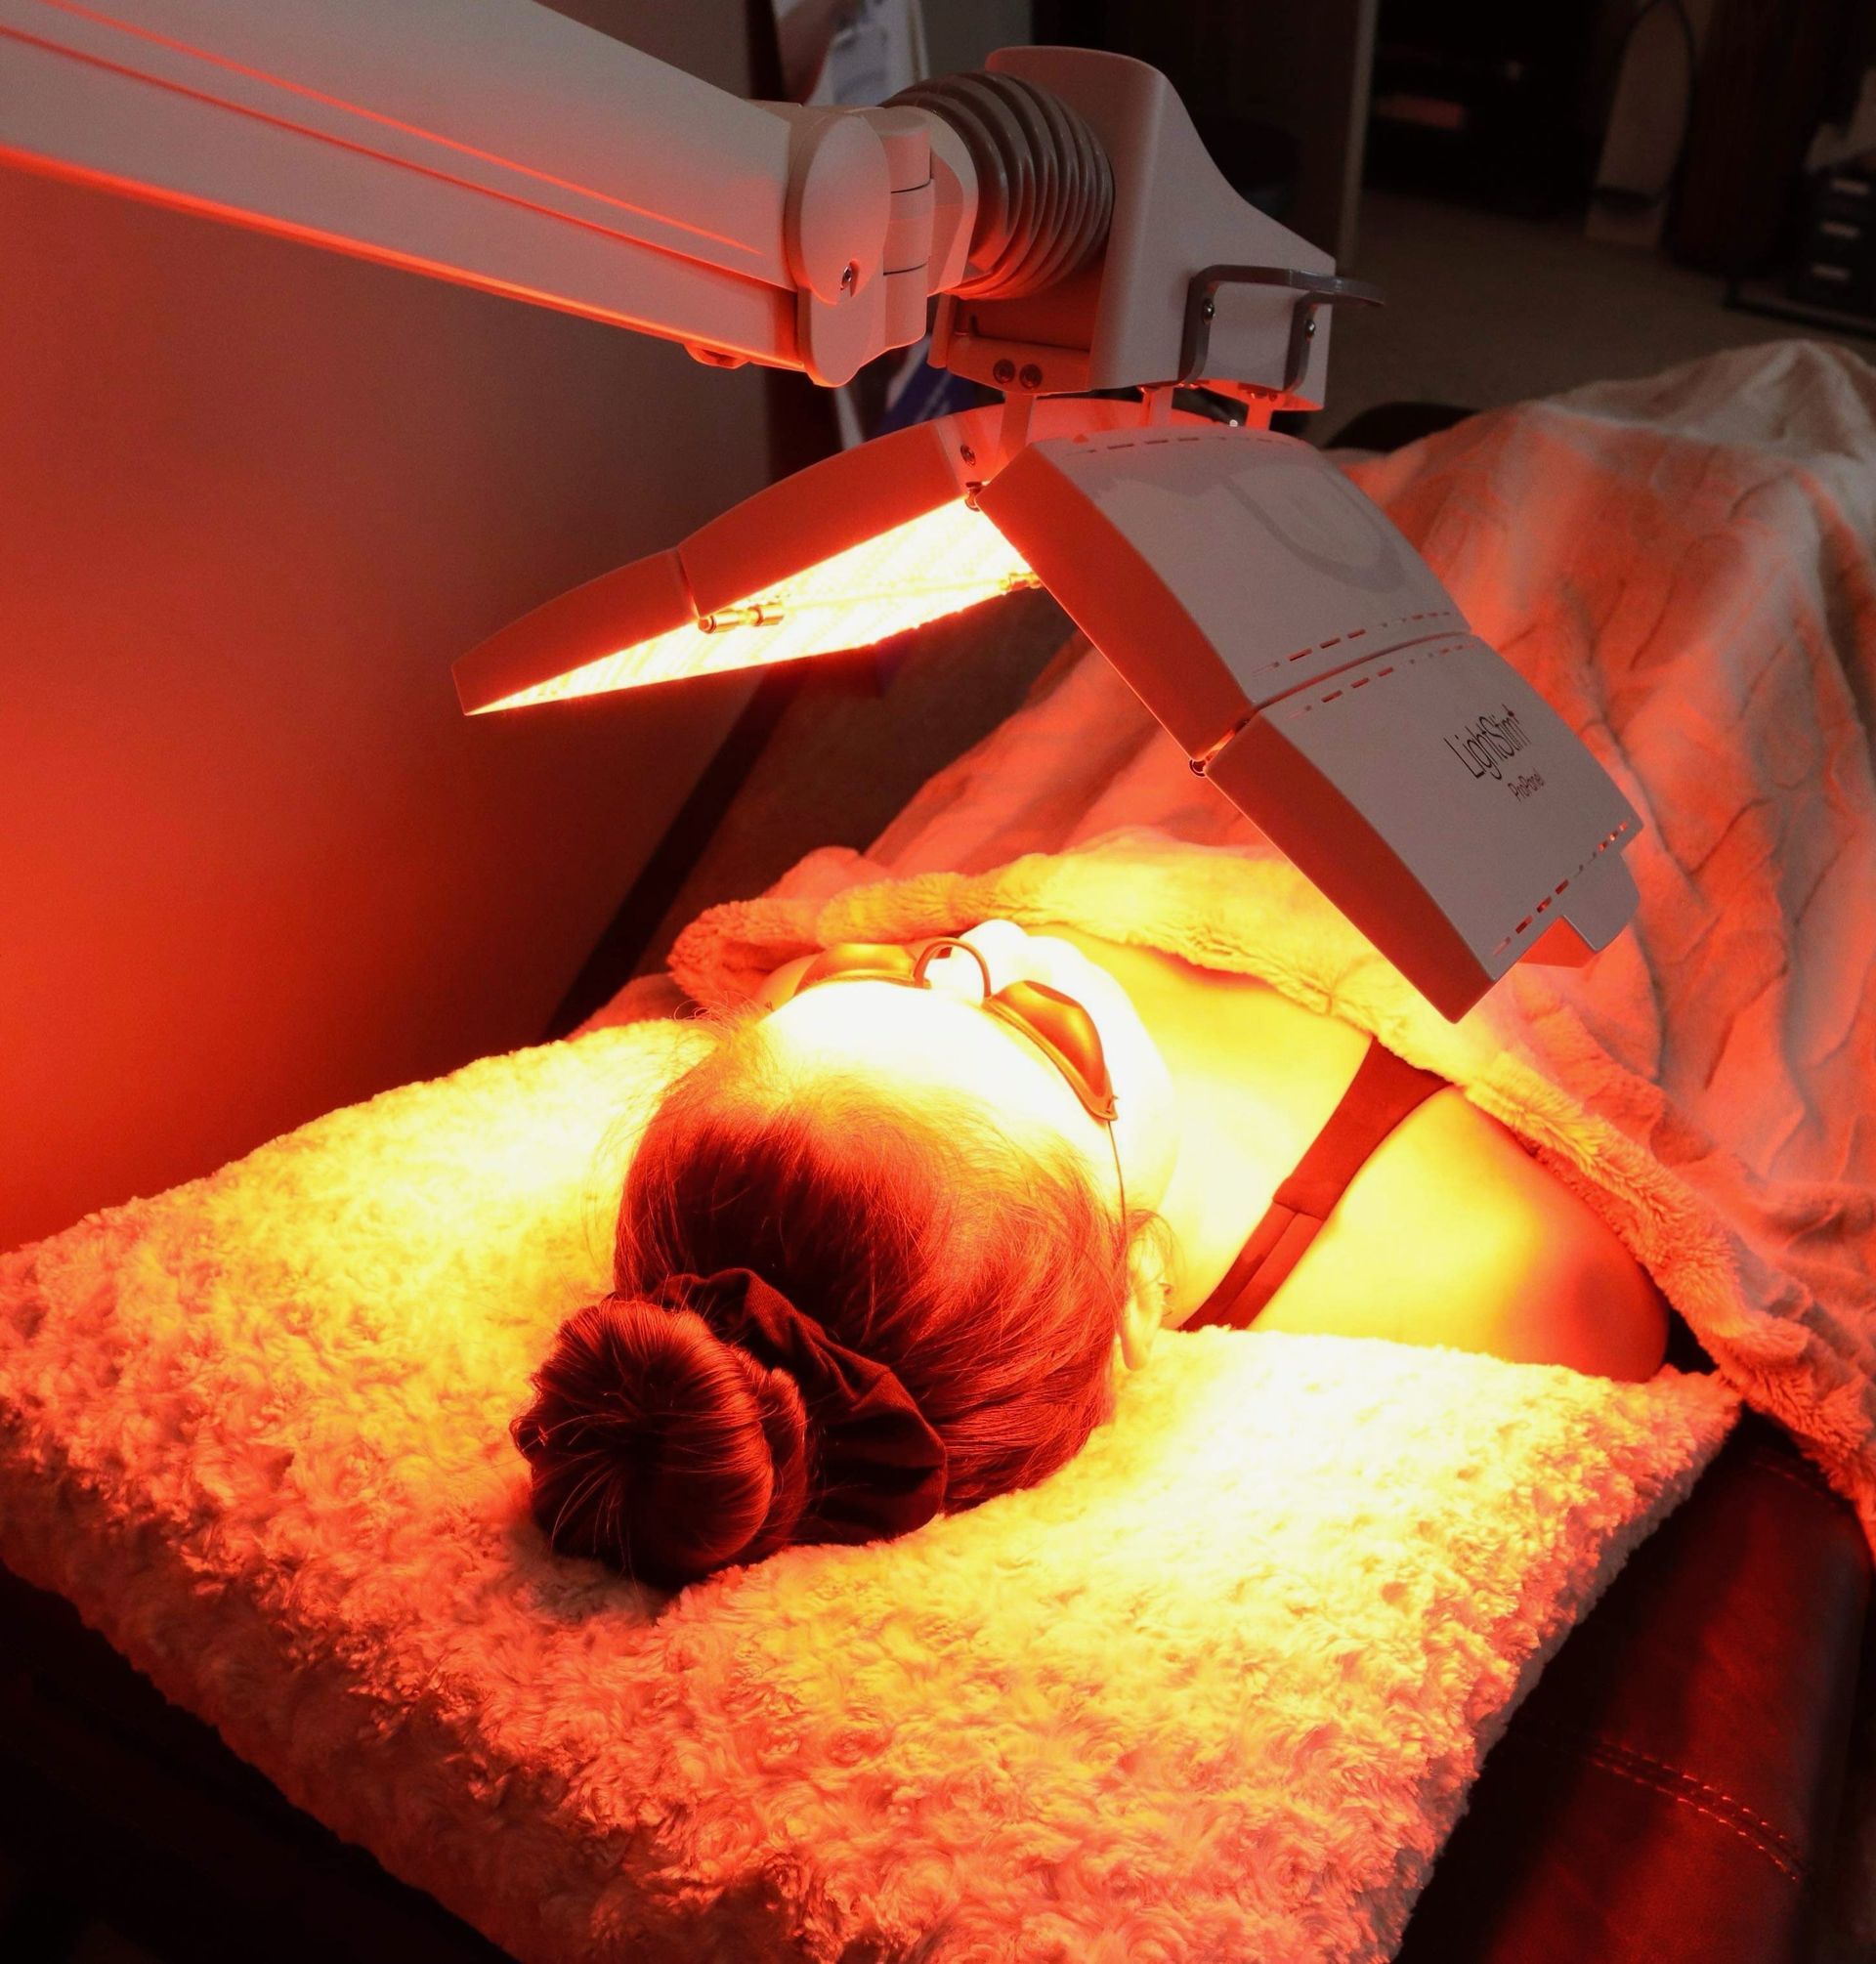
1057,1024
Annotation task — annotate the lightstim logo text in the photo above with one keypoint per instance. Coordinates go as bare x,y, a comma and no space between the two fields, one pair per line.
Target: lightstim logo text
1488,742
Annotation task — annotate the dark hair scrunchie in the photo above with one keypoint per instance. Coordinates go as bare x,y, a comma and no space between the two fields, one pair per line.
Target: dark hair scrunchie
882,1467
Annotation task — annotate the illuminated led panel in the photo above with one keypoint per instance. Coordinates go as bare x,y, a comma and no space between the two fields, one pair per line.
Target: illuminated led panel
936,564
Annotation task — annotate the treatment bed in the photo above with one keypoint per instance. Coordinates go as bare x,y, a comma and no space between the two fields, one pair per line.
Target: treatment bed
252,1432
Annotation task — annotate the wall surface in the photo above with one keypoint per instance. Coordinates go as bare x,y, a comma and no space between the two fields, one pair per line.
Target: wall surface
961,33
256,497
1304,70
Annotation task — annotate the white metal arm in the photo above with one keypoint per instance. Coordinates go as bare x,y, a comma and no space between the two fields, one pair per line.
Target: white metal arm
498,144
1062,202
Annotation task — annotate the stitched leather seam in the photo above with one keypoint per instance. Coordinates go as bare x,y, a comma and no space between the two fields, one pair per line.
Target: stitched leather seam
1611,1749
1770,1462
1717,1795
1770,1842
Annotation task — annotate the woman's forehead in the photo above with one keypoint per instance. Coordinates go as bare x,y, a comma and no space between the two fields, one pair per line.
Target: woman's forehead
924,1038
921,1034
862,1015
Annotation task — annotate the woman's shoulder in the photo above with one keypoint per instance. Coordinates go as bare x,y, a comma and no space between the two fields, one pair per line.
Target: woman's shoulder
1455,1234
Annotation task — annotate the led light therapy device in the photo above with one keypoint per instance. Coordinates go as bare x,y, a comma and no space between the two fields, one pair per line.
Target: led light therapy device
1062,214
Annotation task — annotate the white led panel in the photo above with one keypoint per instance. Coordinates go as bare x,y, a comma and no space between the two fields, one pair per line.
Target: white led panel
1309,661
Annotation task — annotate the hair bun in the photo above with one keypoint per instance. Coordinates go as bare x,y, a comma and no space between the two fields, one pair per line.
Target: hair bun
657,1447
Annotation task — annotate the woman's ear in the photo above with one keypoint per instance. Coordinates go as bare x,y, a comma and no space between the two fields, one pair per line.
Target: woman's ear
1139,1324
1148,1284
780,985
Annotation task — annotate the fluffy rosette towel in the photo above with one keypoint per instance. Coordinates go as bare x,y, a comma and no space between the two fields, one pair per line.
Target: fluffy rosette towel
1217,1689
1686,567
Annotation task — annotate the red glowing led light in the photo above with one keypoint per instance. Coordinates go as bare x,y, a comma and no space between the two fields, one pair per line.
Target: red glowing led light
939,563
844,554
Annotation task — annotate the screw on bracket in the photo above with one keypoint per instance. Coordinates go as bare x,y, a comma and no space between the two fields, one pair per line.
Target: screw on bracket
1312,290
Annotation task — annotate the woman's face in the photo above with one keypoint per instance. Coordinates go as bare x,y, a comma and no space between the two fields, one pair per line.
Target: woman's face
938,1036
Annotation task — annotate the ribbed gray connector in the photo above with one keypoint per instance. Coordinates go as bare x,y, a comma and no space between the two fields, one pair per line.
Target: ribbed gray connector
1044,187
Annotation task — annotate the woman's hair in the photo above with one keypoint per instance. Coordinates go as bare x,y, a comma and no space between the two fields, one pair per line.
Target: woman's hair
988,1275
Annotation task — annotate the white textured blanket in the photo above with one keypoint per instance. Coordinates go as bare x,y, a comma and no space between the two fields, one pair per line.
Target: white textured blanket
1217,1689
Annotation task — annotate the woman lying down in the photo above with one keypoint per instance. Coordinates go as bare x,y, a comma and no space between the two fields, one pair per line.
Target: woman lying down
877,1252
